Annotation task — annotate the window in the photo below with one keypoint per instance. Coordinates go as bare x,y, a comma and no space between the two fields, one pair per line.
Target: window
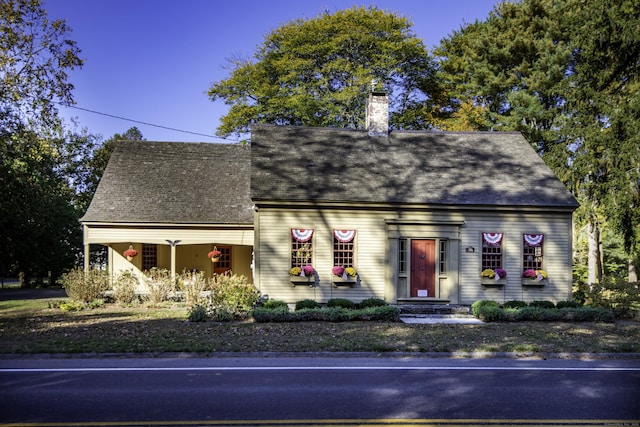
402,256
224,263
343,247
301,247
443,257
491,251
149,256
532,251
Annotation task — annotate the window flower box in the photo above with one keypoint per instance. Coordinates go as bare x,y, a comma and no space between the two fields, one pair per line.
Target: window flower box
341,276
493,278
305,276
534,278
485,282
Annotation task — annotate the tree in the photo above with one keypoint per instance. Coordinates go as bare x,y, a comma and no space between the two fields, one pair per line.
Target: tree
39,232
565,75
35,58
319,72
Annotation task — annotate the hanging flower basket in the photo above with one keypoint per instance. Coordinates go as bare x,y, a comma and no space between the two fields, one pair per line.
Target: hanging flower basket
214,255
130,253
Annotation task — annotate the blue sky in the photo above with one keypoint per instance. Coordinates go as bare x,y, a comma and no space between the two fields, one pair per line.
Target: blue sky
153,60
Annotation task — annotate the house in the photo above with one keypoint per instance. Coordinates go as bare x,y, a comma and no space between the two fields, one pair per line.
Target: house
417,215
173,203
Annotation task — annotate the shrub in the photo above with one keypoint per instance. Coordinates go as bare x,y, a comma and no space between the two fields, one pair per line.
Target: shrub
620,296
197,313
276,314
85,287
194,286
372,302
342,303
158,284
233,297
542,304
489,313
478,305
333,314
514,304
567,304
124,288
275,304
307,303
71,306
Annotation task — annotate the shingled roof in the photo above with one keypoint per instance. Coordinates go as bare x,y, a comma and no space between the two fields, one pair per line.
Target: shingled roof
174,182
433,168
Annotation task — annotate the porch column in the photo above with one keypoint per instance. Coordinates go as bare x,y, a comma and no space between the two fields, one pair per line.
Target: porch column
87,251
173,244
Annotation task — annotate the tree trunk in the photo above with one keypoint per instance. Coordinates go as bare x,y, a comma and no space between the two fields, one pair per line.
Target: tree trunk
595,267
633,273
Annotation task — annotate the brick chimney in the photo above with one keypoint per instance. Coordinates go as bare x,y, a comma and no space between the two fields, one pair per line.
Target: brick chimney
377,117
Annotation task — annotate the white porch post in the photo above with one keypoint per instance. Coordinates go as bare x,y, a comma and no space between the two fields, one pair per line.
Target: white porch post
87,252
173,244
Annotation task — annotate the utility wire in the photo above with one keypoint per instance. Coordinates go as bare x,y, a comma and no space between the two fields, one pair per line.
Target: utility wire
149,124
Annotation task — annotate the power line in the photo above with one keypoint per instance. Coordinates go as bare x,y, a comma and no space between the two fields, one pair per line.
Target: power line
149,124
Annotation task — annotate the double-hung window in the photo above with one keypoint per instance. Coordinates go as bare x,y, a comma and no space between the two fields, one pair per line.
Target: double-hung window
301,247
532,251
344,248
491,251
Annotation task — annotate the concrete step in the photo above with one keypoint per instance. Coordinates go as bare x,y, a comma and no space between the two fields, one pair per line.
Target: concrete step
438,309
440,318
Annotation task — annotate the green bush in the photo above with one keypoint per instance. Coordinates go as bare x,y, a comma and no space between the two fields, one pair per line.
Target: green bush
307,303
542,304
618,295
197,313
233,296
333,314
568,304
514,304
124,288
492,313
342,303
478,305
372,302
489,313
71,306
83,287
274,303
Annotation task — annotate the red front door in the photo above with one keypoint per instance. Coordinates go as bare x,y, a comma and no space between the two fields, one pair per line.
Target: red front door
423,268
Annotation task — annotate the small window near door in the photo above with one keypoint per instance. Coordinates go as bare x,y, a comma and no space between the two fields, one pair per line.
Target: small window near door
443,256
149,256
491,251
402,256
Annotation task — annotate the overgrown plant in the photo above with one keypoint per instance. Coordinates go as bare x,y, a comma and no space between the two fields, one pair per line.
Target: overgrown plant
232,296
124,288
85,287
159,285
194,286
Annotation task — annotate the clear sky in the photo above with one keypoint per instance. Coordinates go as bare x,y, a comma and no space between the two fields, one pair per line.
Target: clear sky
154,60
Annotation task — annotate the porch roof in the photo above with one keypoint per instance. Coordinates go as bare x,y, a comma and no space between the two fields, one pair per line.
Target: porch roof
174,182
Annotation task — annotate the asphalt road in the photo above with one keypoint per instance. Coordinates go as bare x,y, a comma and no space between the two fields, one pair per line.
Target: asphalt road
317,391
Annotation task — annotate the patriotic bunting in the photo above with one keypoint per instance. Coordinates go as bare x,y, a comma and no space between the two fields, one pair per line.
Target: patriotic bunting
492,239
533,239
344,236
301,234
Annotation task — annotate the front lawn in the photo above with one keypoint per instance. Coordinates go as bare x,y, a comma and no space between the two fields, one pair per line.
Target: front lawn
35,326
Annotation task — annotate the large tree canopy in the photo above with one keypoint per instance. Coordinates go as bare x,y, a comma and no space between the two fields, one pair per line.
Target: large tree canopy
565,74
318,72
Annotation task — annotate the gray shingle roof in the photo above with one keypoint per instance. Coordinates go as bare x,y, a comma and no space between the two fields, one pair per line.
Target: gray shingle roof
174,182
435,168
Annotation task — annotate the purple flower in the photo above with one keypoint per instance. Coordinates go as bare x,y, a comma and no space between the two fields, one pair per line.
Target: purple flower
337,270
500,273
529,273
308,270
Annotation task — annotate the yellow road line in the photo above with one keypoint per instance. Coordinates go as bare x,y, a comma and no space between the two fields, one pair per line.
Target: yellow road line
345,422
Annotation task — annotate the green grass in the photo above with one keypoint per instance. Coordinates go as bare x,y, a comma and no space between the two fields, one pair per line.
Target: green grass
36,326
